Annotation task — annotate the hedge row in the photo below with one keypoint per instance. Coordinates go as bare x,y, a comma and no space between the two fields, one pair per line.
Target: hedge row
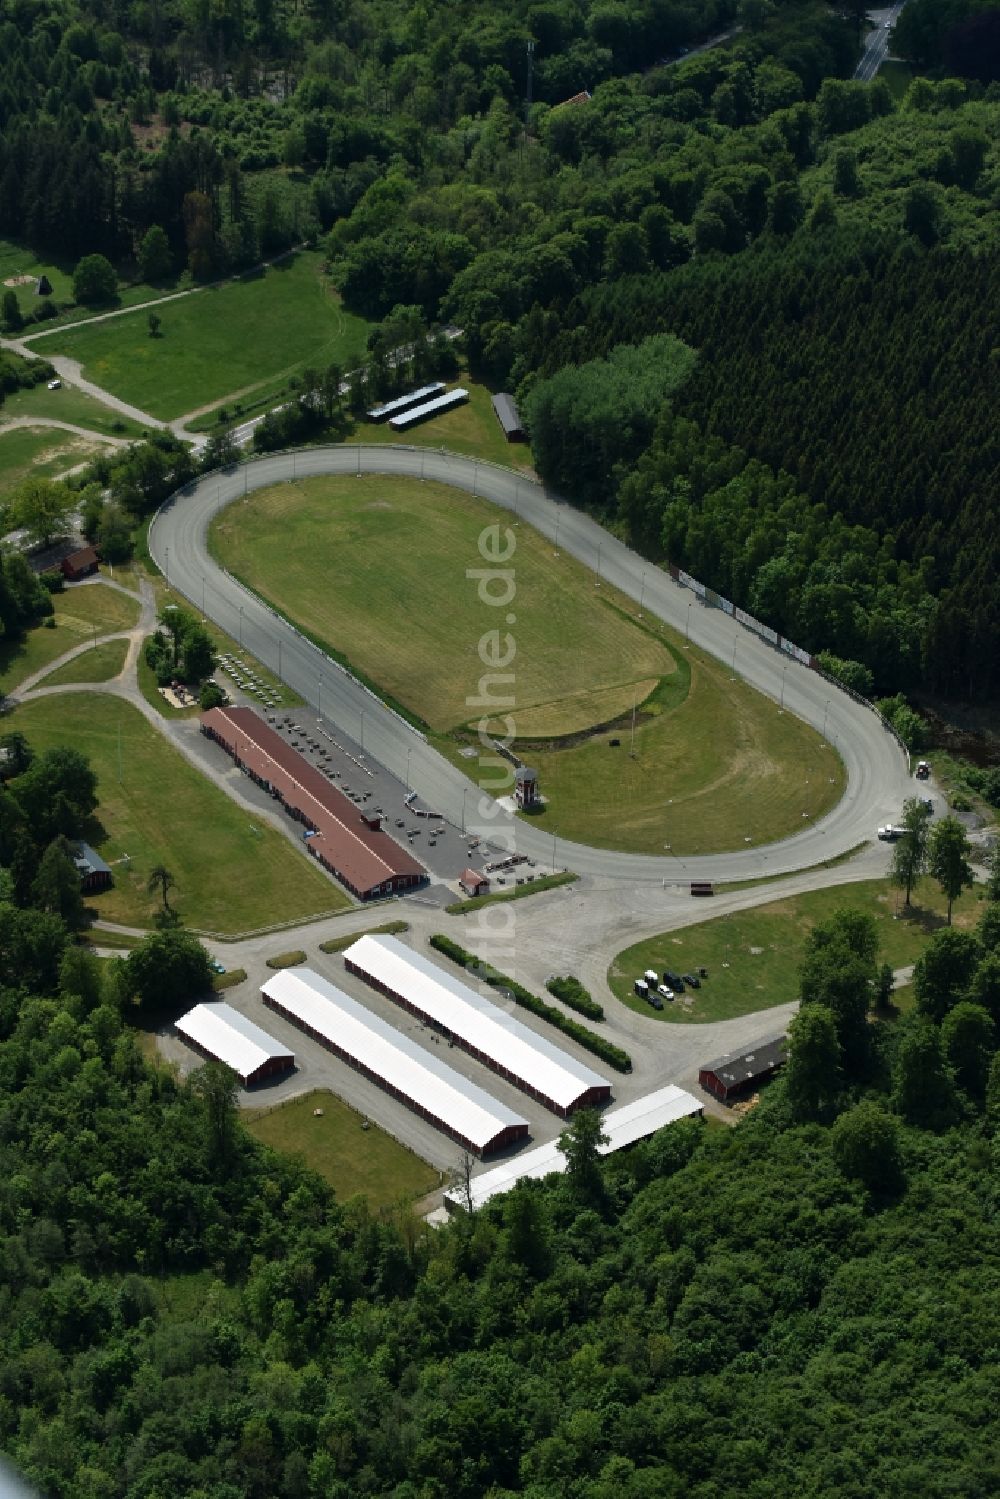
606,1050
572,993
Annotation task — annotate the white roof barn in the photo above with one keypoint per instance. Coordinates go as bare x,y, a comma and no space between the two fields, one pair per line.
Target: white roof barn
217,1030
511,1048
419,1079
624,1126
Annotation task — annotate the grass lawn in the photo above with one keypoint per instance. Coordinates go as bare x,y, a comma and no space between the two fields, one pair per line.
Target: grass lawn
16,260
100,664
219,341
714,763
39,453
472,429
80,612
351,1158
233,875
753,957
70,405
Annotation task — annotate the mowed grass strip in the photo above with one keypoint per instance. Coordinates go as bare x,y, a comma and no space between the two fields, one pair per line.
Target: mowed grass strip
234,873
352,1158
96,664
81,613
580,710
753,957
219,340
376,568
38,453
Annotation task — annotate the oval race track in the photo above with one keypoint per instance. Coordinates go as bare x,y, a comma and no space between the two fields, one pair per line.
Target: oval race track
877,771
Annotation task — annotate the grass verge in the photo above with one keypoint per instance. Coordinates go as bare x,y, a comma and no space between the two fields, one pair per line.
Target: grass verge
290,959
590,1040
544,882
753,957
353,1155
340,944
81,613
229,979
233,874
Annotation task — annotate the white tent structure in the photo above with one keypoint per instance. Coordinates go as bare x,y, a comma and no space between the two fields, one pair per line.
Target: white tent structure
624,1126
217,1030
455,1009
417,1078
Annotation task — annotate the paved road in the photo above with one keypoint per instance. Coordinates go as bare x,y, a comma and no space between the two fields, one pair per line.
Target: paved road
877,42
878,777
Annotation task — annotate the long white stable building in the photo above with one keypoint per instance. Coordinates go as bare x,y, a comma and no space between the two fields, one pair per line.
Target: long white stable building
436,407
624,1126
218,1031
455,1009
417,1078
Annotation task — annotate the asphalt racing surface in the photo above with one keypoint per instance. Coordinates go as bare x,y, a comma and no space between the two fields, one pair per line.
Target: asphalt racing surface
877,770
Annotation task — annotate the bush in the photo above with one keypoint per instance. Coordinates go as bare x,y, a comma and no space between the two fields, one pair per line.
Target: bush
606,1050
573,993
212,696
53,580
94,281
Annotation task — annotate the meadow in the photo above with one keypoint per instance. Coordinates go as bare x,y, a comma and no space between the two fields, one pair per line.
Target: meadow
81,613
220,341
234,873
38,453
753,957
352,1158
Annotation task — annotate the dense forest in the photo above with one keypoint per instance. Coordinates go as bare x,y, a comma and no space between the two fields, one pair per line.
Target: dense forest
801,1306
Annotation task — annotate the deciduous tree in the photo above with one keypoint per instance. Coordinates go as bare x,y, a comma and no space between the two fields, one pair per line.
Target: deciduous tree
948,852
909,854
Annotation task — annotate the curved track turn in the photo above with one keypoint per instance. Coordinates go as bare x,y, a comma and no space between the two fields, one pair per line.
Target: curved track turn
877,772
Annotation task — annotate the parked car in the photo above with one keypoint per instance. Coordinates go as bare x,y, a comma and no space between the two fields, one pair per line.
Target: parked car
923,770
655,1001
641,988
667,993
692,980
55,385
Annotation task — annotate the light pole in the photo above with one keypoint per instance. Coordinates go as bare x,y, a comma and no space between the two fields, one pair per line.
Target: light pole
362,729
241,627
319,700
558,526
203,593
279,658
553,853
687,628
166,565
826,711
409,752
735,640
598,583
784,669
642,594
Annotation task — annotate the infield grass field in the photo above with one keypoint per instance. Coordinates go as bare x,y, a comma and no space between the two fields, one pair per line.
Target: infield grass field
753,957
352,1159
377,569
80,613
234,872
220,341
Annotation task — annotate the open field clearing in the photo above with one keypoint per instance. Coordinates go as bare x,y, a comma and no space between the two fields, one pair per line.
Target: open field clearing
39,453
81,613
376,570
353,1159
233,874
70,405
219,340
100,664
471,429
753,957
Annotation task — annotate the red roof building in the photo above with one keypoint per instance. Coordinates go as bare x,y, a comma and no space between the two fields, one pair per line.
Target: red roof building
79,564
365,859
